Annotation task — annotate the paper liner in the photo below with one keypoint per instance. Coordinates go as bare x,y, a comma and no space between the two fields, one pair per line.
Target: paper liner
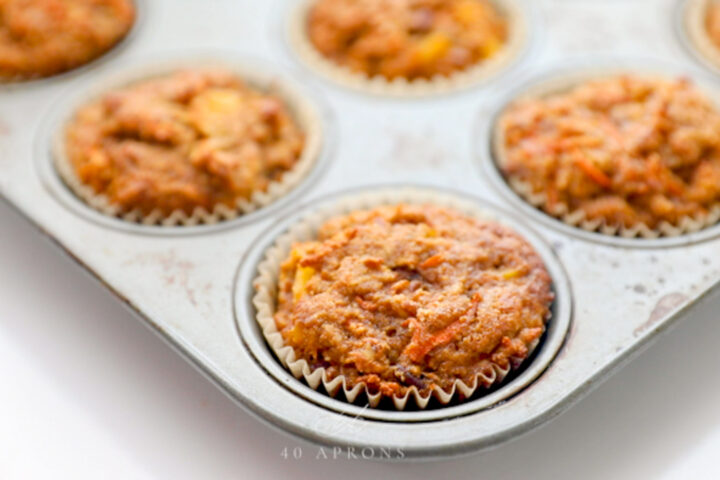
265,297
301,109
578,218
695,28
518,39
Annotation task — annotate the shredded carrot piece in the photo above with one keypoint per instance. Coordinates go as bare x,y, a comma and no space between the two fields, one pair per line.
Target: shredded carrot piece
417,351
592,171
433,261
421,343
369,306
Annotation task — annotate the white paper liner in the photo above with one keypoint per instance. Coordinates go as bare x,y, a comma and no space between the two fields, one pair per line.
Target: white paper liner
518,38
696,30
578,218
301,109
306,229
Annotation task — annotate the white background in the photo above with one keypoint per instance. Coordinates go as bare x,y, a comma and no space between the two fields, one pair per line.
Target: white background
88,392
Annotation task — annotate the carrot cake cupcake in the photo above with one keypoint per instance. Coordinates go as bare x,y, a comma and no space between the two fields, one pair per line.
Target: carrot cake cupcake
194,139
39,38
406,38
412,298
623,151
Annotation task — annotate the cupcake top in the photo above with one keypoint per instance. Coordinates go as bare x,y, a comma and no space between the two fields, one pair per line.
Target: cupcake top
191,139
624,150
39,38
412,296
406,38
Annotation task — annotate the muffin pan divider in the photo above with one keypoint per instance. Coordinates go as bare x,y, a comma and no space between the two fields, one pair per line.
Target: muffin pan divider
182,284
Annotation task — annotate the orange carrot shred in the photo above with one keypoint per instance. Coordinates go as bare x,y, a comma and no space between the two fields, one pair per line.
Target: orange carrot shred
433,261
420,344
592,171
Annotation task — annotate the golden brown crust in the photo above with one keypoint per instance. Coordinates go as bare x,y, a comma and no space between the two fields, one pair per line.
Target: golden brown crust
410,295
625,150
39,38
408,38
192,139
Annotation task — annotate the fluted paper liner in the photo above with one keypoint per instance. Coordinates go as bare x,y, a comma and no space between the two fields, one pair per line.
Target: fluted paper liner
265,297
695,15
301,109
518,39
578,218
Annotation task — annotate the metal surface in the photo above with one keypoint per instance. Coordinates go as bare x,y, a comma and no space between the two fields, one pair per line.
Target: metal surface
183,285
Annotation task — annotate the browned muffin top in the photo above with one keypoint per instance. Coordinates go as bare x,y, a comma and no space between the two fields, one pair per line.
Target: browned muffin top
410,295
195,138
39,38
625,150
407,38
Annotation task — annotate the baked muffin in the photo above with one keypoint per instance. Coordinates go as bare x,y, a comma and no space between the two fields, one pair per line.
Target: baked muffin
623,151
712,22
412,297
39,38
194,139
406,38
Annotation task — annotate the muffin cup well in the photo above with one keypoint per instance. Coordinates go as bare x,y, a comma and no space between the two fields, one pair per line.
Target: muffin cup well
515,11
264,300
302,109
578,218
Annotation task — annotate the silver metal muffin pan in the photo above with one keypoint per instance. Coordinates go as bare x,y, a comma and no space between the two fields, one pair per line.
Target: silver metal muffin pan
192,286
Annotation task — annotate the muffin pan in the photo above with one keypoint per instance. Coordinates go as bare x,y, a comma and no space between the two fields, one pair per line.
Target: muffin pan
192,285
